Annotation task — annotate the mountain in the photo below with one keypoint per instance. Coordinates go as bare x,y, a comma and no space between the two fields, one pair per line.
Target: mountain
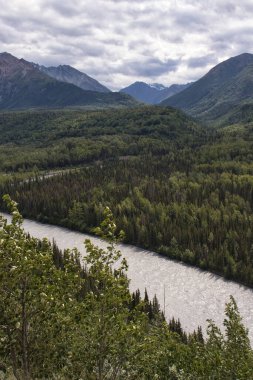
157,86
22,85
172,90
141,91
152,93
225,86
68,74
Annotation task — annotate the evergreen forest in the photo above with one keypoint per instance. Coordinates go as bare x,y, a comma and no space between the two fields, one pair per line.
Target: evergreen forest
174,186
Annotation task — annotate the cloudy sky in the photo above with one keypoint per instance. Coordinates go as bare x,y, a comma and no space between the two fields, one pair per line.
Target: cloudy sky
121,41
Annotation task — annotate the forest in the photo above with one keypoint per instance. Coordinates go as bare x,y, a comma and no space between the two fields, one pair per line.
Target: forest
174,186
44,140
61,318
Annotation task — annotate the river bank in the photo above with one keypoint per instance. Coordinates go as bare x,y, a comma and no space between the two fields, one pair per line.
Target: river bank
192,295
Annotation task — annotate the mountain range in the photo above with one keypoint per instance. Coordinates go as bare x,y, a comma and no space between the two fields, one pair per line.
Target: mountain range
215,96
223,95
25,85
152,93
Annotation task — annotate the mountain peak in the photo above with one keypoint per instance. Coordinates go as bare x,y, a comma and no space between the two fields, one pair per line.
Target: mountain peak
232,66
157,86
10,66
69,74
139,83
62,67
225,86
5,56
152,93
242,56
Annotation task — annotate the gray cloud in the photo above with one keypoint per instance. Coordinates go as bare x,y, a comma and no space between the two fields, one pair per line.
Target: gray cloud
121,41
201,61
151,67
189,19
64,9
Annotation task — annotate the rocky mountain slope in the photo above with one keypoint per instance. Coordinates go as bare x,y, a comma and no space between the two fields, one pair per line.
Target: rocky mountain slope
68,74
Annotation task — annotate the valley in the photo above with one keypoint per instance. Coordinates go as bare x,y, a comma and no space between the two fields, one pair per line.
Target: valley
184,191
177,181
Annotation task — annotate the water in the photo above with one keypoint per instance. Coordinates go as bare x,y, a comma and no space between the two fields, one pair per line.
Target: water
191,295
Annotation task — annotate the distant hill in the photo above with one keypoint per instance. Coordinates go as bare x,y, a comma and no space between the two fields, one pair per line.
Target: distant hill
50,139
22,85
68,74
152,93
225,86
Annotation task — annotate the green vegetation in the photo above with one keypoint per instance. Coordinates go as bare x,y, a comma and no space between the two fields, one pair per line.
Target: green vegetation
46,140
47,92
213,97
173,186
202,219
59,321
241,114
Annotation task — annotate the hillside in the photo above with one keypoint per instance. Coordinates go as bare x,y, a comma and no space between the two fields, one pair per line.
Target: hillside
223,87
60,138
242,114
24,86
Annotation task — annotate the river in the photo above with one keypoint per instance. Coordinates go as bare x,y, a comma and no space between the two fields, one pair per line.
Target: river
192,295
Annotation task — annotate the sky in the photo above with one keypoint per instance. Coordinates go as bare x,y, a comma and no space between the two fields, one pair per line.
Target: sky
119,42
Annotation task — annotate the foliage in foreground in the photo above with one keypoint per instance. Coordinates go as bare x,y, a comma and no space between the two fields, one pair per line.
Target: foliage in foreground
57,323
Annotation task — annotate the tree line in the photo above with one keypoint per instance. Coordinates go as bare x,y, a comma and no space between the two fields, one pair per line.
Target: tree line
203,219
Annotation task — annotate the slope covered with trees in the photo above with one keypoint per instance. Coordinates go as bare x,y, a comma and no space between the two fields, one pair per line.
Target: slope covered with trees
173,186
211,98
51,139
94,329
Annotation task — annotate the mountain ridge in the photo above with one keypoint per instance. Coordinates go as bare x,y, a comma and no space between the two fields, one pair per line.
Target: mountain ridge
68,74
208,97
152,93
23,85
